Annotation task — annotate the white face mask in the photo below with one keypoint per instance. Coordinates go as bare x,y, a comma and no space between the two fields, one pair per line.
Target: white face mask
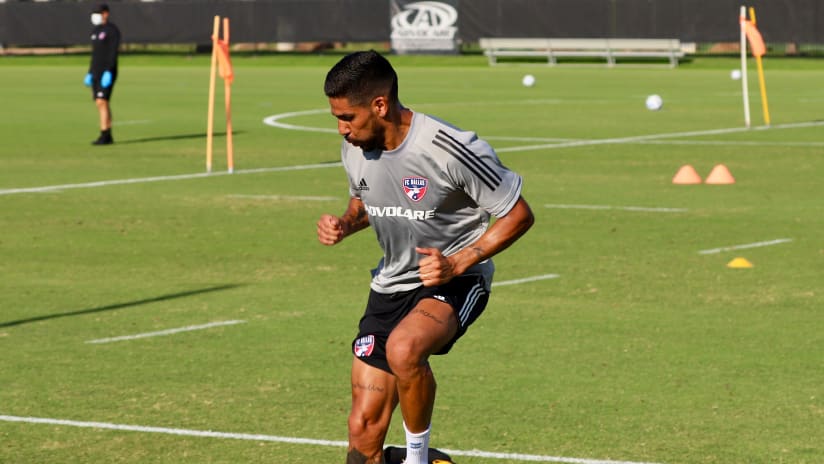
97,19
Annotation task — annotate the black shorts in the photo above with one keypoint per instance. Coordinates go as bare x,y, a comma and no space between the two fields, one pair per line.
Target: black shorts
100,92
466,294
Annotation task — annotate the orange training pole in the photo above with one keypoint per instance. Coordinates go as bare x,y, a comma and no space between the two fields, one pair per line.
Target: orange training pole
211,112
227,86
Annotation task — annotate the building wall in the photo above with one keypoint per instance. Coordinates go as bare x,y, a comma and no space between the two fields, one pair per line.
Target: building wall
60,23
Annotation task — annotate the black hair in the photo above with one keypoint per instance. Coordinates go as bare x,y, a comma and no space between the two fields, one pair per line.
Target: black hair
360,77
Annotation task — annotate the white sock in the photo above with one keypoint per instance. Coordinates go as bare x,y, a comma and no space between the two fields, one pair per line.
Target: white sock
417,446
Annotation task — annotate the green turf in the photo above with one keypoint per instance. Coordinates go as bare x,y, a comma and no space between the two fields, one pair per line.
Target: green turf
642,350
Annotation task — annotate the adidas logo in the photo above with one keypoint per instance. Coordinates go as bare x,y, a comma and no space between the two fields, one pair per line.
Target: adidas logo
362,185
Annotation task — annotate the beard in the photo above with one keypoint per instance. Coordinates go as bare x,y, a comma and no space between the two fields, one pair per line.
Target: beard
374,142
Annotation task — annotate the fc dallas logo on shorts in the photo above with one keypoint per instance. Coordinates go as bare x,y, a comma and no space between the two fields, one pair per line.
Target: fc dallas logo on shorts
415,187
364,346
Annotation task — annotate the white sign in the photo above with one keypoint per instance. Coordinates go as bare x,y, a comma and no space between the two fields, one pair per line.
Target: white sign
425,26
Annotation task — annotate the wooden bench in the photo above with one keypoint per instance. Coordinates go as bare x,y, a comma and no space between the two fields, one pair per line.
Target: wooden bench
609,49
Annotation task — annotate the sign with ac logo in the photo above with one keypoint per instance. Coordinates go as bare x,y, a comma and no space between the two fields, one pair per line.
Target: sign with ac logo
425,26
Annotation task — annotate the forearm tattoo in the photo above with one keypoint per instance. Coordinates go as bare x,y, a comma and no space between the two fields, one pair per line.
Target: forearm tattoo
479,251
357,219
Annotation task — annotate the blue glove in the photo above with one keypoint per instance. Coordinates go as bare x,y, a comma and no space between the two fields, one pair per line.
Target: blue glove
106,80
88,80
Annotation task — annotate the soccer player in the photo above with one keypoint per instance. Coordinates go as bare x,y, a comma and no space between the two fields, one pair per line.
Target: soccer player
428,189
102,72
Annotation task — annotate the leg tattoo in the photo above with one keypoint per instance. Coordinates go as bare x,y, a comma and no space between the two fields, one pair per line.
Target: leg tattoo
356,457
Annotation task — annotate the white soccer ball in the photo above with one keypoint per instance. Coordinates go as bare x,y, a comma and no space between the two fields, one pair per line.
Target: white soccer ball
654,102
528,80
735,74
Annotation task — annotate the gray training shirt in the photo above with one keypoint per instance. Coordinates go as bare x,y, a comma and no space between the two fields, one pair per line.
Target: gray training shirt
436,190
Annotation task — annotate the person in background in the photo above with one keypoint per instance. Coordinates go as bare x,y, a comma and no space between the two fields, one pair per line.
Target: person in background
103,69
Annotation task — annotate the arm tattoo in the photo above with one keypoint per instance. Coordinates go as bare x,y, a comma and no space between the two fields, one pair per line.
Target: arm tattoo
357,219
478,251
360,217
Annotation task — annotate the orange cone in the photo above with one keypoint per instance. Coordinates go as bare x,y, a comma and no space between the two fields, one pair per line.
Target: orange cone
686,175
720,175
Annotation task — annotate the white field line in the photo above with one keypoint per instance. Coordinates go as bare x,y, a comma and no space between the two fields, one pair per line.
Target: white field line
283,197
532,457
752,143
525,280
530,139
140,180
745,246
623,208
171,431
274,121
290,440
530,101
132,122
162,333
645,138
210,325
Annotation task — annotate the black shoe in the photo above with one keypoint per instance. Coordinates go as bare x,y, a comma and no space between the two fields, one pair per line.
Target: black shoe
105,138
394,455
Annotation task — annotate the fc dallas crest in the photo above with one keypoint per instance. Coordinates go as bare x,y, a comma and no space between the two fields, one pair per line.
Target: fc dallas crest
364,346
415,187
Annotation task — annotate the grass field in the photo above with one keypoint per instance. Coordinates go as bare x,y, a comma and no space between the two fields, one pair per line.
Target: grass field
646,348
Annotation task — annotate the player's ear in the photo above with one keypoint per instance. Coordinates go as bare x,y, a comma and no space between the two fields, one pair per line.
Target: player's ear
380,106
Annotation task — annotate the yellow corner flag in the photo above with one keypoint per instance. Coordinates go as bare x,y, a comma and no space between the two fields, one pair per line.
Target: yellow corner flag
750,33
758,49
